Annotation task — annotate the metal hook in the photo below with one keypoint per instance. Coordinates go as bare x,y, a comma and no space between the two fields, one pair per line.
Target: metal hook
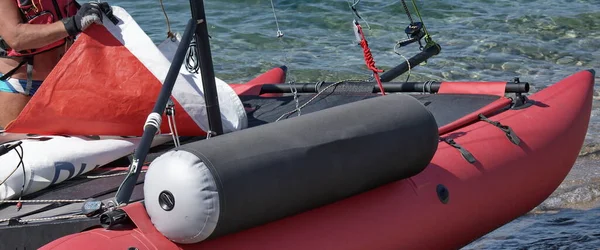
353,8
355,11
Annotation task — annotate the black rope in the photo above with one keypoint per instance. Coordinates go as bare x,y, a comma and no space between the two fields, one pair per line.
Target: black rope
407,12
191,59
356,12
21,164
21,155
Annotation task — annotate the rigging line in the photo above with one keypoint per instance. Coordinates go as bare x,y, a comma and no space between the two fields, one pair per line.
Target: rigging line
352,6
42,201
299,108
428,38
279,32
22,165
192,63
408,12
369,60
169,33
109,175
21,156
417,11
15,169
406,59
283,46
62,217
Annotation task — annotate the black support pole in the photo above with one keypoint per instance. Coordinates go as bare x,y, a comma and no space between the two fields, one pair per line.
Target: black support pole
428,87
206,68
429,52
126,189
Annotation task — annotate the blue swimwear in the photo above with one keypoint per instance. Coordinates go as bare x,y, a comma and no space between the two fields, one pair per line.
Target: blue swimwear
11,85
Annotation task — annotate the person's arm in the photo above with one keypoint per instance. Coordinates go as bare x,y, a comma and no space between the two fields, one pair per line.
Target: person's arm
21,36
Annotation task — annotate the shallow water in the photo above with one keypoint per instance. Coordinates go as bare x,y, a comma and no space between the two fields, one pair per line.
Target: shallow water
539,41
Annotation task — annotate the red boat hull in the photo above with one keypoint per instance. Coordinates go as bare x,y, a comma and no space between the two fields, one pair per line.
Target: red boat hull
504,183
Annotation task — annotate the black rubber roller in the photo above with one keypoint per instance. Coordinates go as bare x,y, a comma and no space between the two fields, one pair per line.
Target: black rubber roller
251,177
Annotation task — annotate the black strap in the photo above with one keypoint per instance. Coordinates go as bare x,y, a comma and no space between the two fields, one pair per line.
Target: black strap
29,86
26,60
512,136
108,12
12,71
57,9
465,153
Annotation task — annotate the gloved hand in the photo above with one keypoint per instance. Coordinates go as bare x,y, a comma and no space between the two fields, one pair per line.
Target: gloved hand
86,15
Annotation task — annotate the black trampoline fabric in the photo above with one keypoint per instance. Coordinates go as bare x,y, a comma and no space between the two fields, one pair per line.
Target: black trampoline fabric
445,108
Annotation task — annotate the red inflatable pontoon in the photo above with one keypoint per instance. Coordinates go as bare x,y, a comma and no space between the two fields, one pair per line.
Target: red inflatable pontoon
449,204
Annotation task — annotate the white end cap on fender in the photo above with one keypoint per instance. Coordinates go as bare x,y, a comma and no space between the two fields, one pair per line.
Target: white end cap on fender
181,197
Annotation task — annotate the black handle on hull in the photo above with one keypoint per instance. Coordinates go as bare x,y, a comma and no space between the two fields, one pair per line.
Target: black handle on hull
429,87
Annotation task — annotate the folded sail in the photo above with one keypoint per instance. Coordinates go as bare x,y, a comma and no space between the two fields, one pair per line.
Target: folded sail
107,84
49,160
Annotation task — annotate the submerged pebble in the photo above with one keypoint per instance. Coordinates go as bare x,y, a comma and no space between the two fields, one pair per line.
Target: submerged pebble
566,60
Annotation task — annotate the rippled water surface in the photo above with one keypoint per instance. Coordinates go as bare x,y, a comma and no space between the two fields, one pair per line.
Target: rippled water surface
539,41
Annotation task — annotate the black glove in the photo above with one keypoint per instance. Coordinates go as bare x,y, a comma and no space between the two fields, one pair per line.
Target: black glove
86,15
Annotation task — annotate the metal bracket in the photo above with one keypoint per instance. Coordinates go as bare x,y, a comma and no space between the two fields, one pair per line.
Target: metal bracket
520,101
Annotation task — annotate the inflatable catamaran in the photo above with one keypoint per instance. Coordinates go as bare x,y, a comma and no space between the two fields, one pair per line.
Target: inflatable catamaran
271,165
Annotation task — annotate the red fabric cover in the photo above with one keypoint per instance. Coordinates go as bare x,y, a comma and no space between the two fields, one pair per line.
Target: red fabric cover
98,88
479,88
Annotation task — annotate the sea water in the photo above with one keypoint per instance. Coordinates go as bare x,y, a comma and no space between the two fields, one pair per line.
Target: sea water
539,41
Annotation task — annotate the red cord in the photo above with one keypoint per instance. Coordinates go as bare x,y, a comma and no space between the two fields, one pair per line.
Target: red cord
369,60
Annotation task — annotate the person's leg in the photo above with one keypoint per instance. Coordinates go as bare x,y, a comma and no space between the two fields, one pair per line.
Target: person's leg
11,105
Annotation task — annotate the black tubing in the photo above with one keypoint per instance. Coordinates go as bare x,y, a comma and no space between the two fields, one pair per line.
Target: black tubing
111,219
268,172
213,110
429,87
402,68
126,189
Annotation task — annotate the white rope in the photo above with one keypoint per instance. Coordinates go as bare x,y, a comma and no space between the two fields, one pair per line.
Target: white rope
108,175
47,218
295,92
41,201
210,134
172,134
154,119
20,154
427,87
355,13
20,164
173,126
406,59
279,32
312,99
175,129
9,175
